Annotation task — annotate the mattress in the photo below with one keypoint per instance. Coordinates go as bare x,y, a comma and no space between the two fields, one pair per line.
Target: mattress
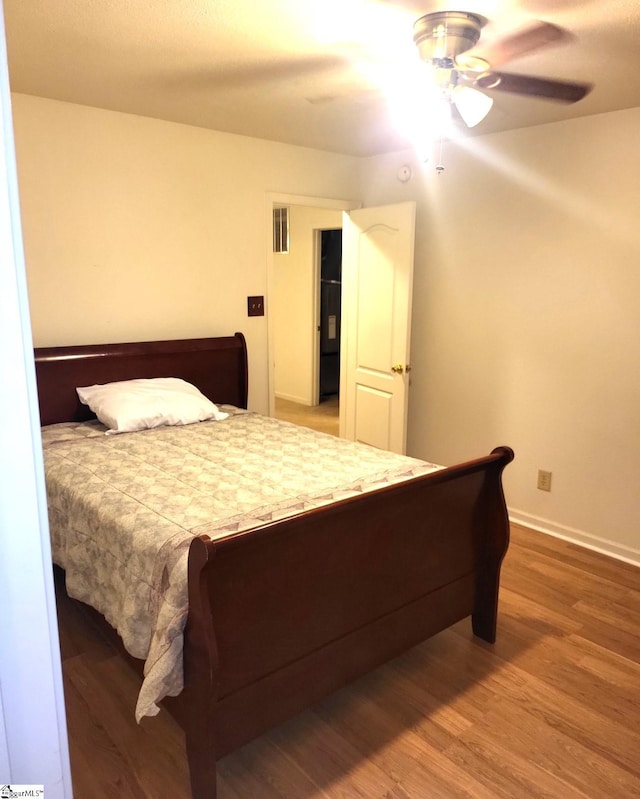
124,508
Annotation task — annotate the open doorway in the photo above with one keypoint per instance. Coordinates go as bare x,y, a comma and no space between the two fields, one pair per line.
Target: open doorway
304,351
376,314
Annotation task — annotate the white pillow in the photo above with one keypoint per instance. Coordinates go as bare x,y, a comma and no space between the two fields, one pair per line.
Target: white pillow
131,405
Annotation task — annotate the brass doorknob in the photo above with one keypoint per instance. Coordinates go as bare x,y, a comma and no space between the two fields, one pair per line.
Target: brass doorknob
398,369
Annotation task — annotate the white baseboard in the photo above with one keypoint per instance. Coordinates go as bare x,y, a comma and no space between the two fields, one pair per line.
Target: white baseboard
602,545
291,398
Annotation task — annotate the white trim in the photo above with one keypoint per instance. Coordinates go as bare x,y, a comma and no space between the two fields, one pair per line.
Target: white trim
272,199
5,764
315,299
33,735
291,398
602,545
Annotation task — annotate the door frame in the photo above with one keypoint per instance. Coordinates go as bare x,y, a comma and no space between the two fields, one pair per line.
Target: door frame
33,732
274,199
317,288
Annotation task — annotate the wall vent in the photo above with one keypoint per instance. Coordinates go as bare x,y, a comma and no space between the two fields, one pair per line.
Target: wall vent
281,230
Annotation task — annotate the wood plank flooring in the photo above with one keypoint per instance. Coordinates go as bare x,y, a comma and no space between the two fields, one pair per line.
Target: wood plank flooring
324,417
551,710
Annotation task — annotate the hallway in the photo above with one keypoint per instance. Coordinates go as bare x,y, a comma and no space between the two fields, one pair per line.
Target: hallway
323,417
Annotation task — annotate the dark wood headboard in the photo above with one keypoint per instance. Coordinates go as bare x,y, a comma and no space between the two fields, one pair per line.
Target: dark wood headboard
217,366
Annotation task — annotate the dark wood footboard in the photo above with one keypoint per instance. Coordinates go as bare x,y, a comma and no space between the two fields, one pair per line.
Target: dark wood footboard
282,615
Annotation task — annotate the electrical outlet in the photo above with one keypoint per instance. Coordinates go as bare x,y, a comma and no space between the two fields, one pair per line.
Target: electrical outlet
544,480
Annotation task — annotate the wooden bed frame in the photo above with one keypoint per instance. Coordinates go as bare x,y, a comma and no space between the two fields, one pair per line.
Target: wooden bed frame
284,614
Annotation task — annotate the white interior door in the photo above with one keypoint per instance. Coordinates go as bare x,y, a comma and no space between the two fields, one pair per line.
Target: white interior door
377,277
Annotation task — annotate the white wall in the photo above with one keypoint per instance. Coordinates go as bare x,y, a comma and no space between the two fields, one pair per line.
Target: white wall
292,303
527,316
138,229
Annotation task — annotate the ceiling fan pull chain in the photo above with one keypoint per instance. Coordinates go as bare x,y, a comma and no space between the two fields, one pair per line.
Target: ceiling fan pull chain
440,165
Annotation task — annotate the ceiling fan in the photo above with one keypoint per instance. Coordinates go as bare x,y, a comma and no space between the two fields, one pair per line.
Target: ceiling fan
446,42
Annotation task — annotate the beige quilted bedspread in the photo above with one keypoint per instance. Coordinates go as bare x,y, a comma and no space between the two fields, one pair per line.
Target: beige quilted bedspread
123,510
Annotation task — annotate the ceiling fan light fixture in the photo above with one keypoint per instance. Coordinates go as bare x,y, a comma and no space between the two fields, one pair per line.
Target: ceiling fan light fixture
472,64
446,34
473,106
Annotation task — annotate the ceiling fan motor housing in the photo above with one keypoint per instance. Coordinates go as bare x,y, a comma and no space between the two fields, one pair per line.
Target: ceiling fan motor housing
442,36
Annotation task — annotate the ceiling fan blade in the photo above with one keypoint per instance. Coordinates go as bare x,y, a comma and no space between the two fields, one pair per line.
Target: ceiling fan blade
560,91
542,34
259,73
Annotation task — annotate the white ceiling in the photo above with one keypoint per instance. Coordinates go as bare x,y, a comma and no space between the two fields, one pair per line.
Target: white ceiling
290,70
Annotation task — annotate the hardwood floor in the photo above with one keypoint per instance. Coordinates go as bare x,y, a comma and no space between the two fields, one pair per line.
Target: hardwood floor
551,710
324,417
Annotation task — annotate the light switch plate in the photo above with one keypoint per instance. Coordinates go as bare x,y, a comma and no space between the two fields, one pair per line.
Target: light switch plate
255,306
